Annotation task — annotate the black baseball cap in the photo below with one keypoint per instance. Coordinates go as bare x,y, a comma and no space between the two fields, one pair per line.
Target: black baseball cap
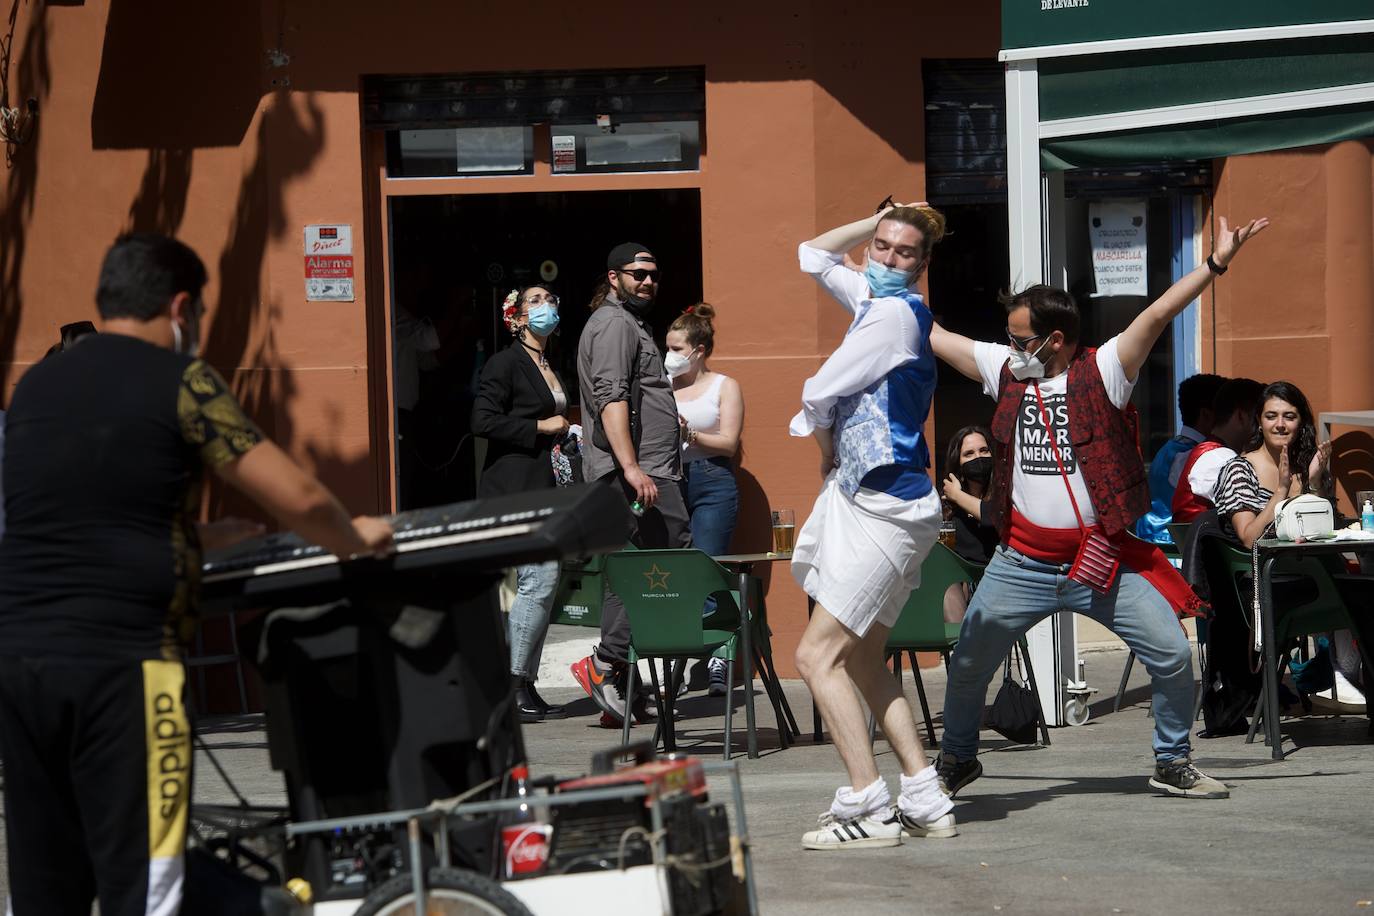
625,253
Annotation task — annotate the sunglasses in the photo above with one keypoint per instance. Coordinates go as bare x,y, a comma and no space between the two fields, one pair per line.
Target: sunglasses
1022,343
640,274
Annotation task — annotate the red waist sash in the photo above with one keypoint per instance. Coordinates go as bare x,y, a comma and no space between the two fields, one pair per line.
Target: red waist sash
1060,546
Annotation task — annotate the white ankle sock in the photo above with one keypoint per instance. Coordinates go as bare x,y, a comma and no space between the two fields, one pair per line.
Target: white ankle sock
851,803
921,797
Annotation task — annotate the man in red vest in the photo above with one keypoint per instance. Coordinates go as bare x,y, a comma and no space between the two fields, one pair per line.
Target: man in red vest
1234,409
1068,485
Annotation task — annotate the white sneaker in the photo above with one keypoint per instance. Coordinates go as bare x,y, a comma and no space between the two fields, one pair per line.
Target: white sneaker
863,832
1347,693
940,828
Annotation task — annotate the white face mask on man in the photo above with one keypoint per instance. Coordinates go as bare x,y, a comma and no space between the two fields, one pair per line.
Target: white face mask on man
185,342
1027,365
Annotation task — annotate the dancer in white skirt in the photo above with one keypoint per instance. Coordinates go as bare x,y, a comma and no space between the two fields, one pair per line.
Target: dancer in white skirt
859,554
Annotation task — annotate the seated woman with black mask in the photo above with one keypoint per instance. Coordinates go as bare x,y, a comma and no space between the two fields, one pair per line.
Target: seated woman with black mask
969,462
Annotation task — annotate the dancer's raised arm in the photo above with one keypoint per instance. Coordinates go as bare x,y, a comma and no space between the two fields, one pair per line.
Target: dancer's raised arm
1135,343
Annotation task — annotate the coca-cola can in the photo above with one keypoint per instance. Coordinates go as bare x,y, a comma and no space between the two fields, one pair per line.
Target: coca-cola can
525,849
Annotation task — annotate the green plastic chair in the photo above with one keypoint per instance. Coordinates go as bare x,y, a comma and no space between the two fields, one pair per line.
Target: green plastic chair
1295,616
581,590
579,596
663,592
922,627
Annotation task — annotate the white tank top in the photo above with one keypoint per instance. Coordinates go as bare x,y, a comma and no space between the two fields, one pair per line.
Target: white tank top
702,413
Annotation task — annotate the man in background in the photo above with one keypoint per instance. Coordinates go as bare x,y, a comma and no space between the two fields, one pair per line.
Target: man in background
1195,394
632,442
1233,410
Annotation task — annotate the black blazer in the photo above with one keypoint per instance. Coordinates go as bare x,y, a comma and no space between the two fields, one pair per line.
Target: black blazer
512,397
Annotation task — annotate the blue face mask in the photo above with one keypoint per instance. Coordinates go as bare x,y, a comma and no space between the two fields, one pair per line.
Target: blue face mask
887,281
543,319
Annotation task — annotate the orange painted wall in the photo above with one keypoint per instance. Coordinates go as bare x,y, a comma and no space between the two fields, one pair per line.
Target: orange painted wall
1301,306
171,119
171,116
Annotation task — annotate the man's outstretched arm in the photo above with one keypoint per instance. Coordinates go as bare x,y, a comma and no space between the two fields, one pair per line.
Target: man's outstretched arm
955,349
1134,344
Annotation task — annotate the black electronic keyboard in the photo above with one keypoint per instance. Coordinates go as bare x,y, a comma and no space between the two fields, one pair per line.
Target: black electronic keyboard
462,538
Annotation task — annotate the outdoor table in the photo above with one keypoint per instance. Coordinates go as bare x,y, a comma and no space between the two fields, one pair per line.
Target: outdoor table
743,565
1272,550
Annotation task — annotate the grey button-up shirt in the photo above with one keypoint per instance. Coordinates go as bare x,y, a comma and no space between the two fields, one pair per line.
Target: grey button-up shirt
616,347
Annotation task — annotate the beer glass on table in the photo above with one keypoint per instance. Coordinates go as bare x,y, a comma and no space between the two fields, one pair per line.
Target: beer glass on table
947,536
784,531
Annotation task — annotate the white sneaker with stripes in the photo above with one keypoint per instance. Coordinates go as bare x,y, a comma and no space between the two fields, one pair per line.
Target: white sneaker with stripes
863,832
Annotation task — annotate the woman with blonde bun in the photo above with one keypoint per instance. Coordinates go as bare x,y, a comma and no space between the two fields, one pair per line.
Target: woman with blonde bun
711,409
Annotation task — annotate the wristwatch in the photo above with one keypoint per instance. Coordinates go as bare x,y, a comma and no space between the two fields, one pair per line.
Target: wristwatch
1214,267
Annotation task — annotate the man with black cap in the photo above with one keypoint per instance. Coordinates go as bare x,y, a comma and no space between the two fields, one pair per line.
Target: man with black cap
631,441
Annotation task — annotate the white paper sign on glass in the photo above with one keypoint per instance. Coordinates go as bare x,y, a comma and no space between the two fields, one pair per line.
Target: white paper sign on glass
1117,230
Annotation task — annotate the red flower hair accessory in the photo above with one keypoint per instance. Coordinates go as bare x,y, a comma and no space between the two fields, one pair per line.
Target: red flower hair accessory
689,310
510,308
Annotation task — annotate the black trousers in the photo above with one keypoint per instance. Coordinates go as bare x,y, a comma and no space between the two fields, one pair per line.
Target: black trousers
664,525
97,785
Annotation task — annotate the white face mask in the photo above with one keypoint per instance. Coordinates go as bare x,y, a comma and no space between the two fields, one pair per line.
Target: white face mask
676,364
179,342
1027,365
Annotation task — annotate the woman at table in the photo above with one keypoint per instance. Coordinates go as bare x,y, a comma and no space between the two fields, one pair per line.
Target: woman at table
1281,460
711,409
521,409
969,462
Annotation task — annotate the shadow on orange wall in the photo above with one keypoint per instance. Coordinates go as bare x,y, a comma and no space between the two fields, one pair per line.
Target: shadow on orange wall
177,75
1352,465
34,76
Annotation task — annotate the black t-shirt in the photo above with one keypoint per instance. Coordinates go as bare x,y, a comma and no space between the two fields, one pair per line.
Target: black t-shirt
973,540
105,445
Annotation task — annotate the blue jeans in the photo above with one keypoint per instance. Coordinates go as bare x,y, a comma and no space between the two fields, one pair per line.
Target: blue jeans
528,622
1017,592
712,497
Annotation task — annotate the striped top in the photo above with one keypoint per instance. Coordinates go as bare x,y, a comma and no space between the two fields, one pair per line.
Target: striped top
1238,490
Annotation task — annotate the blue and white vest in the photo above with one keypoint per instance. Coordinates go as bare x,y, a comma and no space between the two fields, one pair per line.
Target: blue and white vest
884,424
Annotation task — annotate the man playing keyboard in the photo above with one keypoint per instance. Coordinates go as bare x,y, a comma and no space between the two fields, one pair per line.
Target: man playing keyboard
105,450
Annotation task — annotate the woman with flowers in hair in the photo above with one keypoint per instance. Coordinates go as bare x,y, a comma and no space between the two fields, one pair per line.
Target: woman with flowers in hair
521,409
711,410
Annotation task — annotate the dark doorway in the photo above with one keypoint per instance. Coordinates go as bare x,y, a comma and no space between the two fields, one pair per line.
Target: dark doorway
454,259
967,271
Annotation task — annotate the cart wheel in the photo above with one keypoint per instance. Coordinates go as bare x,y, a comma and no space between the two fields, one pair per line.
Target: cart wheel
448,892
1076,710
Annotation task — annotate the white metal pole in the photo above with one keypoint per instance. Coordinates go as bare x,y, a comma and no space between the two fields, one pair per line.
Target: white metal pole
1035,215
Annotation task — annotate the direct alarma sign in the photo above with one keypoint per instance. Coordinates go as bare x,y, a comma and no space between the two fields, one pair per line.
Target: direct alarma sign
329,263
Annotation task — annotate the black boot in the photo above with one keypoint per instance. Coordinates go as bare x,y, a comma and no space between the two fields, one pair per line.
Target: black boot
547,710
527,703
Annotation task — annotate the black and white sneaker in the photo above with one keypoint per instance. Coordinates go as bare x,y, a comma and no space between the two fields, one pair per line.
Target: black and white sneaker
955,773
1181,778
864,832
940,828
716,676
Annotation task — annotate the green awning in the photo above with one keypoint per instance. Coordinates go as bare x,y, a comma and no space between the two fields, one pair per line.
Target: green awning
1037,23
1211,139
1075,87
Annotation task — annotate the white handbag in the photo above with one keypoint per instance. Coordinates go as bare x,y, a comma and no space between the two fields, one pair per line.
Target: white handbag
1306,516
